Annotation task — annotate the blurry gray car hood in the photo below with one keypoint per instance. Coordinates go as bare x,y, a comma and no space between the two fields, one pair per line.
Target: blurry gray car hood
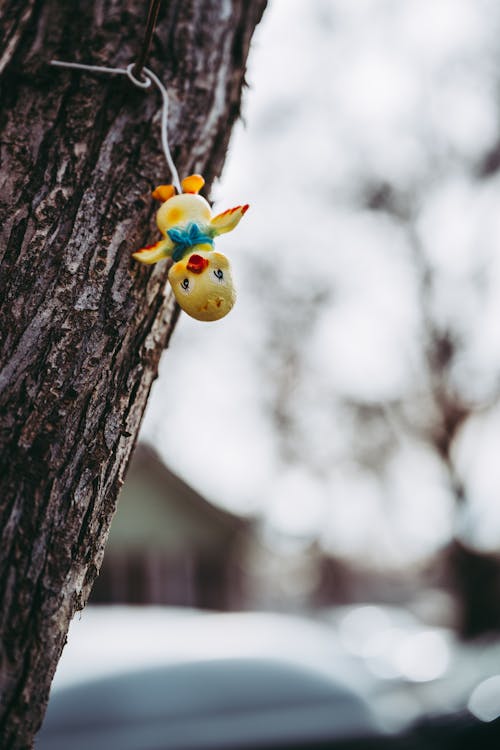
154,678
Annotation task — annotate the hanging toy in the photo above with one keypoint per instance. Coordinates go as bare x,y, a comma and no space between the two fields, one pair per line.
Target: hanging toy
200,276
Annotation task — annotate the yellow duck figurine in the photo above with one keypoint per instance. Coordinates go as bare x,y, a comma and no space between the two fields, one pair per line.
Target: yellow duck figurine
200,277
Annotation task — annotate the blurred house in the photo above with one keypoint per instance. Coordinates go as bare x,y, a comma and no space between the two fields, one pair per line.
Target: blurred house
169,545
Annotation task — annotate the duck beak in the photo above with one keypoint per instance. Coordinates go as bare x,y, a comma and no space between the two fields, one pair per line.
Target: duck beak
196,264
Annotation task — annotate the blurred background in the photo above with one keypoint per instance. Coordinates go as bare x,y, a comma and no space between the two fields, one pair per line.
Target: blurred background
331,449
346,442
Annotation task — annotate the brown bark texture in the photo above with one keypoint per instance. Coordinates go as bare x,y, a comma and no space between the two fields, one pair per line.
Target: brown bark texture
82,325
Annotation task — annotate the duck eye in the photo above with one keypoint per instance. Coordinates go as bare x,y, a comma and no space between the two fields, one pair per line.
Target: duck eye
185,283
219,274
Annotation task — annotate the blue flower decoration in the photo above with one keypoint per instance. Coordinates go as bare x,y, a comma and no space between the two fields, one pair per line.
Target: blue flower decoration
185,238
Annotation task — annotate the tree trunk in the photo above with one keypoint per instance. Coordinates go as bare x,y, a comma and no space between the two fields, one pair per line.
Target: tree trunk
82,325
475,581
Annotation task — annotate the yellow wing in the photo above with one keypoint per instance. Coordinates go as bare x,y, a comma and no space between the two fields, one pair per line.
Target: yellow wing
227,220
154,253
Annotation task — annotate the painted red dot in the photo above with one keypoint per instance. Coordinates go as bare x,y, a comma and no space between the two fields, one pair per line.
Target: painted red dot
197,264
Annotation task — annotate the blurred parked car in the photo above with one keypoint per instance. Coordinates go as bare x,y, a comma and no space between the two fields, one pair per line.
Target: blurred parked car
162,679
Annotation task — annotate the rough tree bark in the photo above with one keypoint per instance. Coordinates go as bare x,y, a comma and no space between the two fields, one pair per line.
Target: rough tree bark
82,326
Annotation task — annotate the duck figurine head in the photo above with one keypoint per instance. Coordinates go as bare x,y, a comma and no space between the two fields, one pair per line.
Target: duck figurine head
200,276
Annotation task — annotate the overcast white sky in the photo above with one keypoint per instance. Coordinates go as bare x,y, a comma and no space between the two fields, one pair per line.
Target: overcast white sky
345,95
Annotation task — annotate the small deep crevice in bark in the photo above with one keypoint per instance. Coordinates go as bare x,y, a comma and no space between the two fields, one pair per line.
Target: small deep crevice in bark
82,327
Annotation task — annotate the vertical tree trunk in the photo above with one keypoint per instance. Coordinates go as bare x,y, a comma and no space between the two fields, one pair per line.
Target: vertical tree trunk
82,326
475,580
